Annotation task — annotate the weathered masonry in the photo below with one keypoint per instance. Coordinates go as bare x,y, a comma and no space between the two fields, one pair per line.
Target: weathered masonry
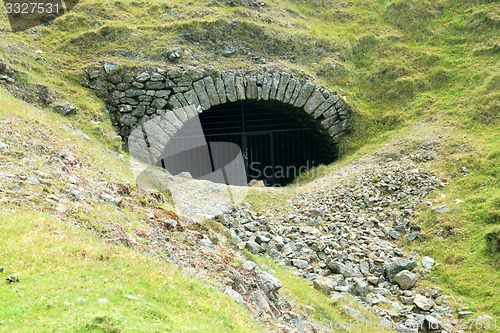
276,119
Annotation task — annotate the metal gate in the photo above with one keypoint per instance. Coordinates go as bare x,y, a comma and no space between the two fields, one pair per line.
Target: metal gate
275,156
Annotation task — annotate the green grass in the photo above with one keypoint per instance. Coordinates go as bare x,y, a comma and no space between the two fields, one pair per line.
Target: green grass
58,264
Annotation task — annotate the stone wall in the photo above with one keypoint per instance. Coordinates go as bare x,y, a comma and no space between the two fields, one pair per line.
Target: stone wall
133,97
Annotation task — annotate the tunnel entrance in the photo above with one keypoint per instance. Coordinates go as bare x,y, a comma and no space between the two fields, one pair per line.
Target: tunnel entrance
277,142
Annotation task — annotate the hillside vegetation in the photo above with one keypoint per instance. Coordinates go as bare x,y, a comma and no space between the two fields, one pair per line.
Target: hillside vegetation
401,64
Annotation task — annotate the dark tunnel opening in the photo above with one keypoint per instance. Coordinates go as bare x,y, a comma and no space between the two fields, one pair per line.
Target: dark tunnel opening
275,142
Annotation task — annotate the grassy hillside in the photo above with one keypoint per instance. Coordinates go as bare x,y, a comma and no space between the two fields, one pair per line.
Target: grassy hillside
76,283
400,63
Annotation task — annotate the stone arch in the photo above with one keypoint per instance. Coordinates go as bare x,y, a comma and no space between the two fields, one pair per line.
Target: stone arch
148,107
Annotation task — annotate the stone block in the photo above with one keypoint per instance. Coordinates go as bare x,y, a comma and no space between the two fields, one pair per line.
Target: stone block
181,114
327,104
266,86
274,86
172,119
229,83
154,85
280,94
240,87
289,90
314,102
251,91
192,98
221,90
296,92
211,90
304,94
199,87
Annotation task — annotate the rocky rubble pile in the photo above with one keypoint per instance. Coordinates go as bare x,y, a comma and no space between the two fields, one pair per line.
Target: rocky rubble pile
341,240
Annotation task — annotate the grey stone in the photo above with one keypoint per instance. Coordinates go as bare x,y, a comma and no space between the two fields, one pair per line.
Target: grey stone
134,92
327,104
253,247
162,93
172,119
157,77
251,91
268,283
428,262
280,94
339,104
289,90
240,87
174,74
337,128
181,89
138,85
203,242
296,92
169,83
139,111
128,120
7,78
354,313
299,263
229,83
181,114
154,85
314,102
335,298
174,103
304,94
123,86
192,98
259,297
157,133
266,86
249,265
191,75
221,90
360,288
180,97
158,103
211,91
423,303
65,109
441,209
330,113
235,295
228,51
199,87
143,77
406,279
339,268
274,86
324,284
110,68
328,122
393,268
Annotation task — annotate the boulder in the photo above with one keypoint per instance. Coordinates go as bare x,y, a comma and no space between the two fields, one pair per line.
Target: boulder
324,284
397,266
428,262
406,279
268,283
423,303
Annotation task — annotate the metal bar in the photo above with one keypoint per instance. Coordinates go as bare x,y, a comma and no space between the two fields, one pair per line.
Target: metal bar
272,157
